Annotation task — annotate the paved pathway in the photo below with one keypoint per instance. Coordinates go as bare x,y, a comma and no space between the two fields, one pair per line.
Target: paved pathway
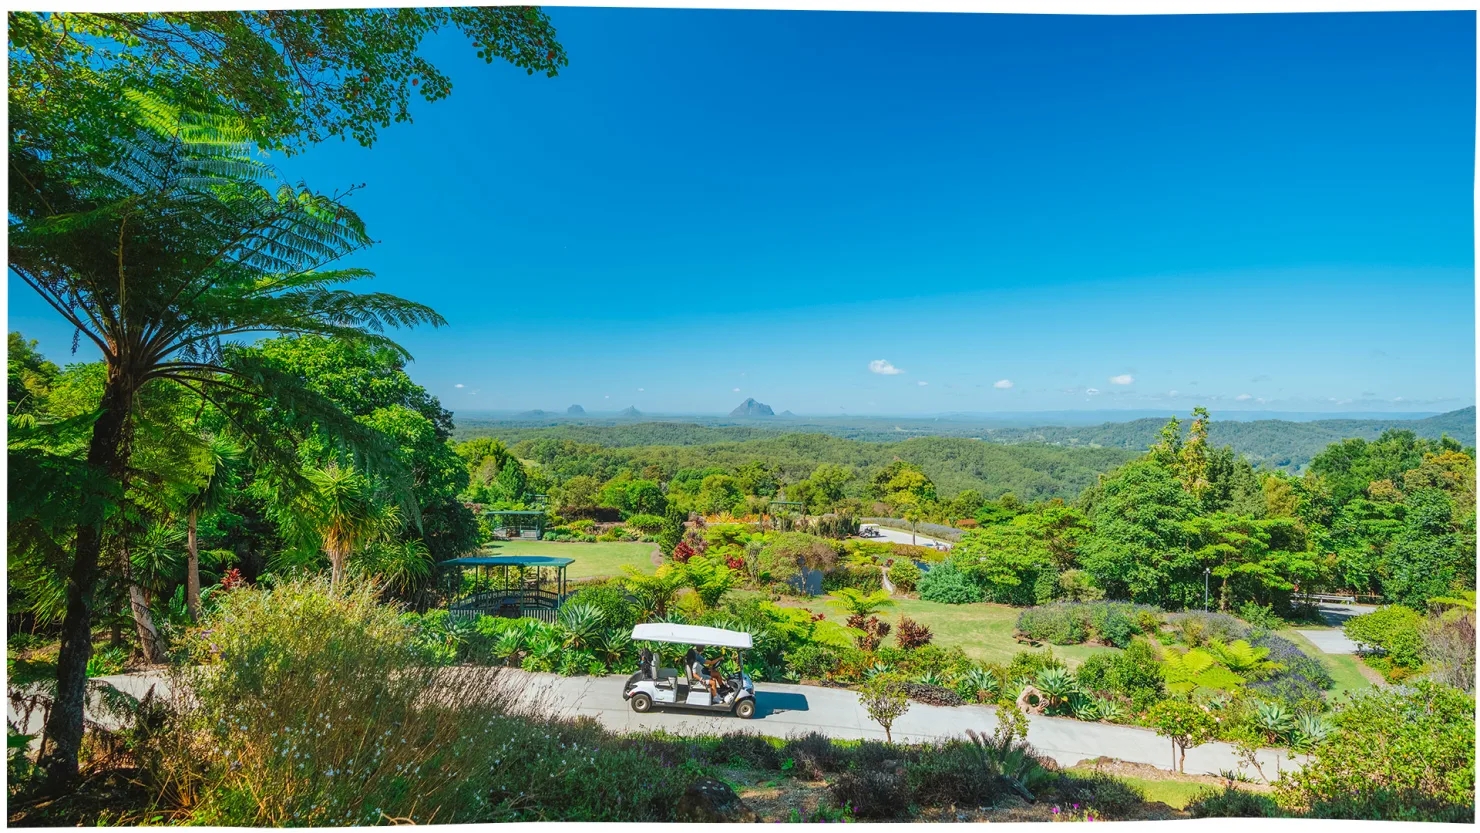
785,710
894,536
1330,642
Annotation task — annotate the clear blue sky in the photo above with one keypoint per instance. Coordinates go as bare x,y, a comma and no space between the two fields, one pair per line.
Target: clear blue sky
1264,212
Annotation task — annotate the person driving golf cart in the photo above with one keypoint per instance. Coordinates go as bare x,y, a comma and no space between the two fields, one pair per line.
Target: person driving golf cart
702,682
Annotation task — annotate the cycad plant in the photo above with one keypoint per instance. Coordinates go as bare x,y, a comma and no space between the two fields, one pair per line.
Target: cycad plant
1005,755
162,257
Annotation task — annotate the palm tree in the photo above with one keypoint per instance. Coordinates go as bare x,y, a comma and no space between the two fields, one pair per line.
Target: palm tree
163,256
340,508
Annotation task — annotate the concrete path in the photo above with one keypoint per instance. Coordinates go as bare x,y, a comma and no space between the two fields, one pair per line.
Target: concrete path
786,710
894,536
1330,642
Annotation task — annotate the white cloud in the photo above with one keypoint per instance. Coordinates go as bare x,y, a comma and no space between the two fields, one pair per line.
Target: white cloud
883,368
640,390
607,396
1122,379
1091,392
922,384
1002,384
1172,394
737,390
1243,397
458,385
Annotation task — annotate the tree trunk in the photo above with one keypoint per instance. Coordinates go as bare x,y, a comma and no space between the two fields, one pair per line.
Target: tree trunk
192,568
336,567
138,603
107,457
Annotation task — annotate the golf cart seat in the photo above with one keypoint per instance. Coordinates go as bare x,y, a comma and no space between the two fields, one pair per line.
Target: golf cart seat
647,664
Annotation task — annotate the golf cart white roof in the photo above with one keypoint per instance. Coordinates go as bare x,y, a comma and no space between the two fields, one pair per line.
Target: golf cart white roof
690,635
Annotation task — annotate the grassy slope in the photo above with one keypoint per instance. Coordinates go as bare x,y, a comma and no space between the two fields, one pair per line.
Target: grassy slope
1345,669
603,558
983,631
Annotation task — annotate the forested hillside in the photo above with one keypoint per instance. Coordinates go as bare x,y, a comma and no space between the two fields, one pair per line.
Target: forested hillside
1032,472
1272,443
1269,443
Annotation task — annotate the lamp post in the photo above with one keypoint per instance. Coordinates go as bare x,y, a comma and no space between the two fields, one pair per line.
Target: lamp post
1207,571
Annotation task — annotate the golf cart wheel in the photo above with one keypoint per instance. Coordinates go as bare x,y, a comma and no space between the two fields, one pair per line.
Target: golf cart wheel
745,709
641,703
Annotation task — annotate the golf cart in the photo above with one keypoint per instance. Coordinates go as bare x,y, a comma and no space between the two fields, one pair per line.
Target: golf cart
655,687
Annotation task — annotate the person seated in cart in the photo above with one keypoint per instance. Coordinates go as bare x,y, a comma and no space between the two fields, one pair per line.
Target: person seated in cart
705,683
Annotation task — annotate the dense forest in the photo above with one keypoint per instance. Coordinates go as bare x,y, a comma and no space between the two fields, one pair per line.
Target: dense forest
1267,443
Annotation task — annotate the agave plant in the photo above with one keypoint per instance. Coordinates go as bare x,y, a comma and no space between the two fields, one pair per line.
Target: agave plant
1056,684
876,669
1084,708
1110,710
1310,731
544,652
931,678
581,623
612,646
979,684
1273,719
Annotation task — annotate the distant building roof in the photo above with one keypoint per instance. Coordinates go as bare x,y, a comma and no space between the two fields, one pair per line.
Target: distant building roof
510,561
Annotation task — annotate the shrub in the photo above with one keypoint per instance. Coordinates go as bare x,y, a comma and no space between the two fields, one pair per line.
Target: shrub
1231,803
910,552
912,634
932,695
1185,723
1061,624
946,584
904,575
747,749
857,577
1303,680
872,793
1260,616
1401,754
1135,673
952,773
647,524
609,597
1197,628
1078,586
1395,630
1112,797
811,661
312,706
884,698
813,754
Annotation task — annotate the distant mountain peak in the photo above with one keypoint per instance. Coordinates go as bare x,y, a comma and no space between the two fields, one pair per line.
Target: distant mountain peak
786,414
752,408
535,414
575,410
630,411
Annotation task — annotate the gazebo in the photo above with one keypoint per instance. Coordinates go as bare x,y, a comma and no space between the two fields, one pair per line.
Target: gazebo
514,523
510,586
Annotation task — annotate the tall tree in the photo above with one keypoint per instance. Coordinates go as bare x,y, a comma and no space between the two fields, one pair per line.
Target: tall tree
160,261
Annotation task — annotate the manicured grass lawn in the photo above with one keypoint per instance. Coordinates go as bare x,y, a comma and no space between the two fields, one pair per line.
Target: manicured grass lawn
602,558
1345,669
983,631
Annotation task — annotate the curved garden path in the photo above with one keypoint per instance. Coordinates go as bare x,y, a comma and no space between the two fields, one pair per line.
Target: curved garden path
786,710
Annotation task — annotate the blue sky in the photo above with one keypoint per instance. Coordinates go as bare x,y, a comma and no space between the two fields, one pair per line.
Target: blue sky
1263,212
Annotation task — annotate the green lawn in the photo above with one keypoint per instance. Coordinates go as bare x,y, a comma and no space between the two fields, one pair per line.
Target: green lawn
983,631
1345,669
602,558
1169,792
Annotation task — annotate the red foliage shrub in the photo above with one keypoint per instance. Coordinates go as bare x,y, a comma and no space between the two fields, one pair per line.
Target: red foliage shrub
912,634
